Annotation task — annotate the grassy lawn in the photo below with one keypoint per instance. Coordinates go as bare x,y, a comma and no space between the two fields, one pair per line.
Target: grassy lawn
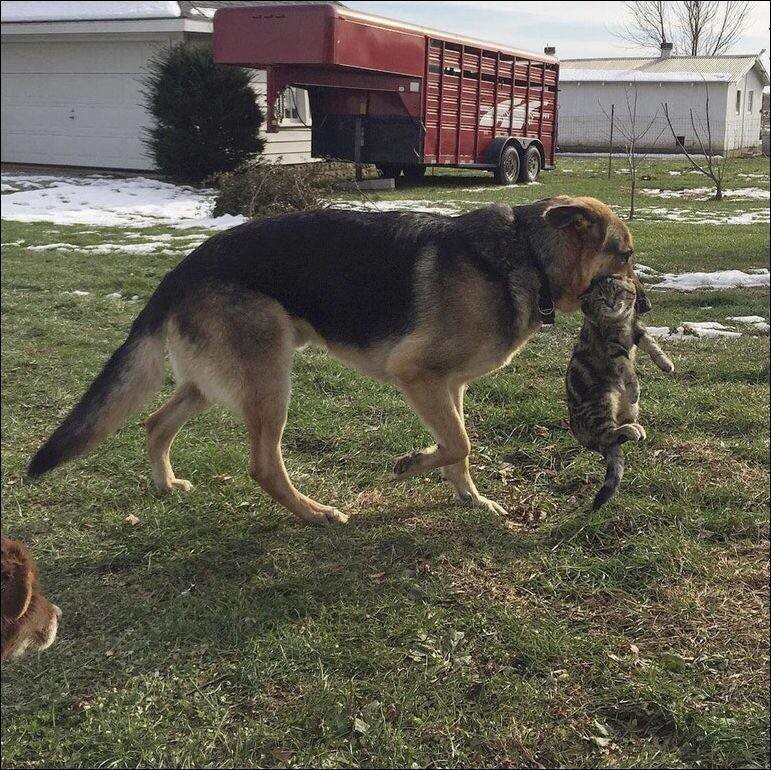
219,632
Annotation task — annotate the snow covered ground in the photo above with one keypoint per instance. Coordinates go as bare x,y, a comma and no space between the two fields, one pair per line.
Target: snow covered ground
690,331
719,279
706,193
106,201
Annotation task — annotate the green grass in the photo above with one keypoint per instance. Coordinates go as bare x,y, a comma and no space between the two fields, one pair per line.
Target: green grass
219,632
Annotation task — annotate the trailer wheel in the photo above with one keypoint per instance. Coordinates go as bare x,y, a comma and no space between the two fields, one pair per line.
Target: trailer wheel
414,172
507,171
389,170
531,165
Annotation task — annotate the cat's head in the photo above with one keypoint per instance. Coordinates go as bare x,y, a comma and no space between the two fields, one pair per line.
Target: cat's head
610,299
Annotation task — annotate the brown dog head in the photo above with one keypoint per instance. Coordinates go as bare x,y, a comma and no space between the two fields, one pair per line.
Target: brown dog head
29,621
591,241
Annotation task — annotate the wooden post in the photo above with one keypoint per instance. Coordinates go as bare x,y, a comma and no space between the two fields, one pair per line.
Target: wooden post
610,152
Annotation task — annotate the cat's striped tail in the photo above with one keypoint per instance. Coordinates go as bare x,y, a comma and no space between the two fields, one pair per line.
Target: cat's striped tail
613,475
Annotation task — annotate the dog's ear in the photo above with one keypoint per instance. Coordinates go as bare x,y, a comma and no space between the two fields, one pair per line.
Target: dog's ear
17,581
575,215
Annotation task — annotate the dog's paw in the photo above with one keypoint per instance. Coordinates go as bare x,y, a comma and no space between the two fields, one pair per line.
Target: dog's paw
406,466
477,501
323,516
176,485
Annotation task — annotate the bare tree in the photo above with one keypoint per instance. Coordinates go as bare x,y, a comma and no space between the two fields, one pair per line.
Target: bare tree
633,137
694,27
714,165
648,24
708,27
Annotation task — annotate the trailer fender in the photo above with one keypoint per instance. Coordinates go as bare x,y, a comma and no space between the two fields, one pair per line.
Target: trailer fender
500,143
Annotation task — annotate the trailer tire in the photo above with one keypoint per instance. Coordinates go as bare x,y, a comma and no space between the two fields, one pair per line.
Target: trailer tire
389,170
531,165
414,172
507,171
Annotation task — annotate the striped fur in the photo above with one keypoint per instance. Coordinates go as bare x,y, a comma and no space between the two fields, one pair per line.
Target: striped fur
602,388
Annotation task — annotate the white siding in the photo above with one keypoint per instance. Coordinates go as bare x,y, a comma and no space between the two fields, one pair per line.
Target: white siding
292,143
583,125
744,129
76,102
73,100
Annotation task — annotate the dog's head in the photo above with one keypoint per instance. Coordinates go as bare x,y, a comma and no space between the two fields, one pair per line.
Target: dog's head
594,243
29,621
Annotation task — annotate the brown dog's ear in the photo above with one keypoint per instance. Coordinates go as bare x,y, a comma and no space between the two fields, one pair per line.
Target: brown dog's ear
569,215
17,582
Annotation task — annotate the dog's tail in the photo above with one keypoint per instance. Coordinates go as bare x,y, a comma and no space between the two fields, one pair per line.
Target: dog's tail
132,374
614,460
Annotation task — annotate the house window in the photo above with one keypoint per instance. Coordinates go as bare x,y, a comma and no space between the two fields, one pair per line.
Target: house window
750,95
738,102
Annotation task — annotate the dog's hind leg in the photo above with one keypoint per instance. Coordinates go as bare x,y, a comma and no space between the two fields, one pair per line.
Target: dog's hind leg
163,426
265,414
459,474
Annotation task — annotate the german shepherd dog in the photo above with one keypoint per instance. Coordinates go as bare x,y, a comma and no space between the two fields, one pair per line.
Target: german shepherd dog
425,302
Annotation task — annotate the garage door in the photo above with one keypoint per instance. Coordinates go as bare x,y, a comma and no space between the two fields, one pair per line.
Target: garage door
75,103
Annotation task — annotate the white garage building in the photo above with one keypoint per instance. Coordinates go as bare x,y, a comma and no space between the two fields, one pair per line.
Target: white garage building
590,88
71,81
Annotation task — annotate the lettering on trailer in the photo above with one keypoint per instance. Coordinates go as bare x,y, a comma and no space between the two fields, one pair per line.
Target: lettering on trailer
504,108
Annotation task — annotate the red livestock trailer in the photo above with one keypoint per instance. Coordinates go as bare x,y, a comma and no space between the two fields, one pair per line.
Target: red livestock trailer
396,95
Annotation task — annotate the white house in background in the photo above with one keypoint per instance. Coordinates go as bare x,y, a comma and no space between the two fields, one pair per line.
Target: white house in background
71,80
589,88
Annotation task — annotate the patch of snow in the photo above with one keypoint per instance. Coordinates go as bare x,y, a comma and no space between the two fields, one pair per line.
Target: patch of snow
14,243
623,155
689,331
77,293
705,193
746,319
413,206
65,10
114,295
720,279
639,267
570,74
53,247
104,201
689,216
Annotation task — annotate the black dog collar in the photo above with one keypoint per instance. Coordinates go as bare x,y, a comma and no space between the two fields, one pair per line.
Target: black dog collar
545,301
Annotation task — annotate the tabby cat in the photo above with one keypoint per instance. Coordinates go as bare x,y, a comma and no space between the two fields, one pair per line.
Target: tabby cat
602,387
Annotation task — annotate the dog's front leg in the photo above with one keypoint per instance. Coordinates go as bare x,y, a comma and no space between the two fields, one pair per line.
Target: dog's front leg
459,474
440,407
